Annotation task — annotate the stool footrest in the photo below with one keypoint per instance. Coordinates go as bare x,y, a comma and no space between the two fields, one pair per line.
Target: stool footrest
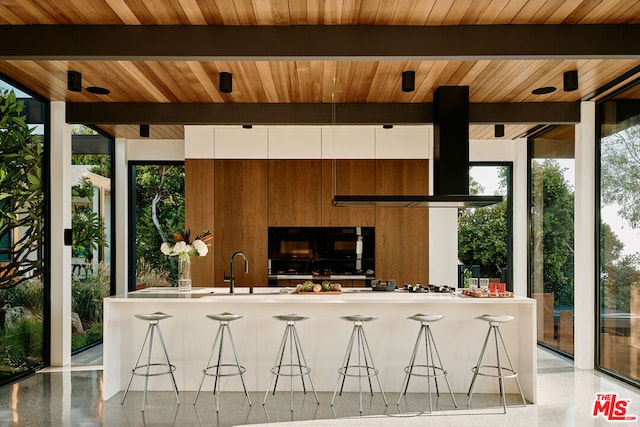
172,368
476,370
302,370
370,371
440,372
239,370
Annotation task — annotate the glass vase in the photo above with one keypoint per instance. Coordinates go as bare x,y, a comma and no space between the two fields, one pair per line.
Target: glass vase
184,275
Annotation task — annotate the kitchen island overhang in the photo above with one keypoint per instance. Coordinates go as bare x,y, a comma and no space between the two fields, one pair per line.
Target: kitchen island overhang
189,335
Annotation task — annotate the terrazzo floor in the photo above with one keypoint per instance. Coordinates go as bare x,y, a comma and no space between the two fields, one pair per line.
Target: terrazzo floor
72,397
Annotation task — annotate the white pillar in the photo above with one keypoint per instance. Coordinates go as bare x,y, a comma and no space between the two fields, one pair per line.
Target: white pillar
443,234
584,265
60,262
443,246
520,218
122,209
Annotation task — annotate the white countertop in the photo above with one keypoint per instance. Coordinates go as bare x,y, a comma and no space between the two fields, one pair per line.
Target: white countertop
284,295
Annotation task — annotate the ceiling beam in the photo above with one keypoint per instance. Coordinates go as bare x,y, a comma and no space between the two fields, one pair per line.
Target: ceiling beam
102,113
344,42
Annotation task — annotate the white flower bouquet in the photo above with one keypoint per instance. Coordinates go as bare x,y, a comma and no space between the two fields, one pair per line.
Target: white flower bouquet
184,248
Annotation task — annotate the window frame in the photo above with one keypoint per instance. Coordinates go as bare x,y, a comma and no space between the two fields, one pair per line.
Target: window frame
509,166
131,214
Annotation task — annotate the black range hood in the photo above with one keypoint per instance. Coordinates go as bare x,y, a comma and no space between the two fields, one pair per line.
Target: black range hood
450,160
450,201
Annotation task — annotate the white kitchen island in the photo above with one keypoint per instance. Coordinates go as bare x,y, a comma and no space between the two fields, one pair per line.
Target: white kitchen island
189,335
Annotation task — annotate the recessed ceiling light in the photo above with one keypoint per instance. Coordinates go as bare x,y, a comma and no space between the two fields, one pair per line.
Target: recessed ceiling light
98,90
543,90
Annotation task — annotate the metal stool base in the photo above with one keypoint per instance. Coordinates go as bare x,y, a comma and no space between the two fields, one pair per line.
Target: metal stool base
432,369
153,327
500,375
217,370
291,338
367,370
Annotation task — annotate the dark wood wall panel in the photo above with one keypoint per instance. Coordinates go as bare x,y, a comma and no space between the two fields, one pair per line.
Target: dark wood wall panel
402,245
402,235
295,193
352,177
242,198
241,220
402,177
199,197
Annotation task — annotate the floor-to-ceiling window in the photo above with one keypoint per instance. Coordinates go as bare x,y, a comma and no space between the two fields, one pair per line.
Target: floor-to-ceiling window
484,236
92,242
552,164
156,208
619,243
22,232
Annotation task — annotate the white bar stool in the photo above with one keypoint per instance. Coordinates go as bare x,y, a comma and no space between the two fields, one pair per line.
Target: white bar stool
291,337
430,369
368,369
488,370
217,369
153,319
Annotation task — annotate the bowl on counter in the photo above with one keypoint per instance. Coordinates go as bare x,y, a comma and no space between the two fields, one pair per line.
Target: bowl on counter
381,286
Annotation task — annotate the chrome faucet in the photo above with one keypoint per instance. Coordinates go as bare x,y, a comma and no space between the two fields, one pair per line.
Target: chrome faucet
232,276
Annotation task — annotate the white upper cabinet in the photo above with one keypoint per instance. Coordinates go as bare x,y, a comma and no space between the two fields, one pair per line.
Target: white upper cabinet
348,142
198,142
239,143
308,142
295,142
404,142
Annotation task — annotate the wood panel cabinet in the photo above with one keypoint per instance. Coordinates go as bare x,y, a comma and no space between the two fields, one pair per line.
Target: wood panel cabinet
351,177
402,177
241,220
295,189
402,234
239,199
199,197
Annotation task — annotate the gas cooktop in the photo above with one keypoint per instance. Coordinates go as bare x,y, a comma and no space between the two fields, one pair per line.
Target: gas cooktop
440,289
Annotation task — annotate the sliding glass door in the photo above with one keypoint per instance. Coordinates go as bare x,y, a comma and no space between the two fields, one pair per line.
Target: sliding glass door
552,166
619,296
22,232
91,226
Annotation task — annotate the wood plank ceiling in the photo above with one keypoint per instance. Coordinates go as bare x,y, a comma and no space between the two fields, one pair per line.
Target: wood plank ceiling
325,80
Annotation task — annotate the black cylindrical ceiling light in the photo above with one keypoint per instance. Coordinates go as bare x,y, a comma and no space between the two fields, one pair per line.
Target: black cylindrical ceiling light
498,131
74,81
226,82
144,131
571,80
408,81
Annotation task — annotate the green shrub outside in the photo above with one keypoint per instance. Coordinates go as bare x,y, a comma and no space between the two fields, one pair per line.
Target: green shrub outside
20,347
87,295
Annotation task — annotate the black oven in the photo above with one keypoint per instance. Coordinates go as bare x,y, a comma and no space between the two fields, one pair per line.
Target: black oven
321,250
